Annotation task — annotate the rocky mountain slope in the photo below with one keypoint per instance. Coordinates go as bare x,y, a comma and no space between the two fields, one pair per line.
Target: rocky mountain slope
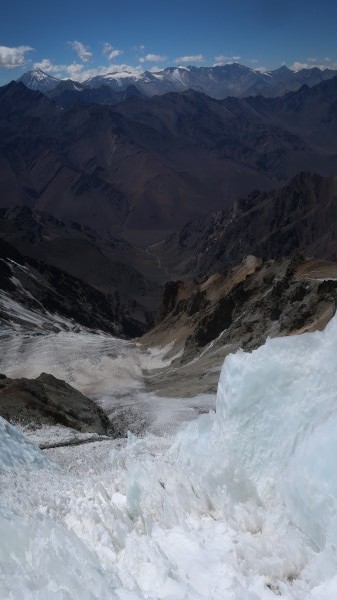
34,293
202,322
108,264
300,217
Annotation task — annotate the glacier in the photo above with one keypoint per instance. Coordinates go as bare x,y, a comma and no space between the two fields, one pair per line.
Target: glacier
240,503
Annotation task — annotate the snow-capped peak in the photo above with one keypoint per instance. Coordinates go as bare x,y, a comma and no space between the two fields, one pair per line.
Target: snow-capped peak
39,80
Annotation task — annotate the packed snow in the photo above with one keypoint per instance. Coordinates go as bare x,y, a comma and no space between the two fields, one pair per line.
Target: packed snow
240,504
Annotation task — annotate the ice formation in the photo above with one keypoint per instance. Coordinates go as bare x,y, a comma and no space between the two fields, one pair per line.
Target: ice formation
240,505
16,451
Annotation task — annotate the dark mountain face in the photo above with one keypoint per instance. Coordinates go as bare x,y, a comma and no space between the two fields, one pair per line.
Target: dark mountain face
68,92
152,164
301,217
61,160
310,112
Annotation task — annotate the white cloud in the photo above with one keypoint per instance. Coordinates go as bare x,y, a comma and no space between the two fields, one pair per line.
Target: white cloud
81,50
83,74
261,69
76,71
322,64
297,66
224,60
72,71
46,65
110,52
13,57
155,69
196,58
153,58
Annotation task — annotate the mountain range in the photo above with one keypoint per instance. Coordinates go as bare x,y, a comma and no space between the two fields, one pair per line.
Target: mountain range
218,81
148,165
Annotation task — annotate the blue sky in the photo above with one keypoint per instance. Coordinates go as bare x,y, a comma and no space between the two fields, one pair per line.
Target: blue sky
79,39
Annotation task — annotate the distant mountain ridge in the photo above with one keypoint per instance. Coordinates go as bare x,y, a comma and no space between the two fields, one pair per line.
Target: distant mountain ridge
218,81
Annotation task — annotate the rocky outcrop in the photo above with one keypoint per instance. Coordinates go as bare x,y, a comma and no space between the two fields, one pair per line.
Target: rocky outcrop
47,400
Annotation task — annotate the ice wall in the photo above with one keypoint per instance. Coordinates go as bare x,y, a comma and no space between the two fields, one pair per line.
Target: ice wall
274,434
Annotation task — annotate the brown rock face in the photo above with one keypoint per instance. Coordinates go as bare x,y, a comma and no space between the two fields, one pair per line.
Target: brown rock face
240,308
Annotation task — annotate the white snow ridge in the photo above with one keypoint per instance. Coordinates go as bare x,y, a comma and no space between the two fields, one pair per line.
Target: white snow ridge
241,504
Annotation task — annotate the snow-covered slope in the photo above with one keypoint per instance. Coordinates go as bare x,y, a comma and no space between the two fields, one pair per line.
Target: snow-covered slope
240,504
